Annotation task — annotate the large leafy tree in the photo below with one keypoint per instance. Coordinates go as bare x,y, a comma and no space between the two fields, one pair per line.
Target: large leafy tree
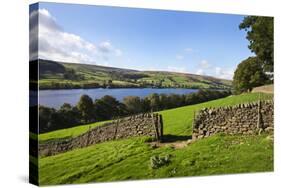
154,101
108,107
260,34
46,119
69,115
133,104
249,74
86,108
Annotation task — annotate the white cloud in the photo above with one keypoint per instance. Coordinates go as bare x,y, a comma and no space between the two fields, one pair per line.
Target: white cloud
200,72
224,73
204,64
105,47
206,68
57,44
179,57
188,50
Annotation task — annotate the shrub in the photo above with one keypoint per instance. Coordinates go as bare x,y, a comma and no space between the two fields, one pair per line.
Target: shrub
158,161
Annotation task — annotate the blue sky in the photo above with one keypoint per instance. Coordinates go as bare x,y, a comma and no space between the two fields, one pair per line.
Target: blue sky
144,39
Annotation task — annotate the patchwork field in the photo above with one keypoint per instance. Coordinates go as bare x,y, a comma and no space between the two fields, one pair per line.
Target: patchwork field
61,75
129,159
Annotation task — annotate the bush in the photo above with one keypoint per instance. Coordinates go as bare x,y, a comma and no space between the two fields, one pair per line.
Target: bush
158,161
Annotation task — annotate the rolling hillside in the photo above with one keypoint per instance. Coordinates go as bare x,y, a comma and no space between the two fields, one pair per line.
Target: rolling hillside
58,75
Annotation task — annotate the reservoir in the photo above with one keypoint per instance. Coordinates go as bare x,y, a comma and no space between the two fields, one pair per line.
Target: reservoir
56,98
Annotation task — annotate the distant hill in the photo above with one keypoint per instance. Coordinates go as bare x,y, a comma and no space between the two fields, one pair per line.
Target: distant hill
62,75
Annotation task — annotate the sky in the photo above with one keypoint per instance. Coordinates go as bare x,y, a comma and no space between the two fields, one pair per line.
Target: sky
143,39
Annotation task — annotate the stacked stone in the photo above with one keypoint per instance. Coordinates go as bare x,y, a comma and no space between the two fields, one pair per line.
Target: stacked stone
138,125
238,119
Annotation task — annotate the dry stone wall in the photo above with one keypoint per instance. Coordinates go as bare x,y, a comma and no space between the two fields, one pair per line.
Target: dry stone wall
138,125
246,119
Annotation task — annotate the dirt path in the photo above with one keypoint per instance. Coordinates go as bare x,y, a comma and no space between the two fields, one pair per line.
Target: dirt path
176,145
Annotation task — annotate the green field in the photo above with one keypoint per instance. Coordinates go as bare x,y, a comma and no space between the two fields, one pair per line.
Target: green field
177,121
129,159
58,75
70,132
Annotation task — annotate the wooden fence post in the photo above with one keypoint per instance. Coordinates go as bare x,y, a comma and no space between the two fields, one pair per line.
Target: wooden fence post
155,121
116,129
161,126
260,120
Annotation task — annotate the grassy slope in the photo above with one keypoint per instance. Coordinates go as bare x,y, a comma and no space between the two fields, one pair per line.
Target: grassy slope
70,132
177,121
100,75
130,158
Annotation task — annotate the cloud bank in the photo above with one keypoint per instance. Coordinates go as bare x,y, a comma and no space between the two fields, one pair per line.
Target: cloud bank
206,68
56,44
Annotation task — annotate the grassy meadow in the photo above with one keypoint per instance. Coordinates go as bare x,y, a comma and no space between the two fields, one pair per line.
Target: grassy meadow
129,159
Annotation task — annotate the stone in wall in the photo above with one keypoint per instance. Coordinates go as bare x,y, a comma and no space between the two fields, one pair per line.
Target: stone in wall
245,119
138,125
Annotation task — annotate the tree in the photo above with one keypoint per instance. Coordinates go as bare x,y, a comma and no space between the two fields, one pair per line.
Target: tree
108,107
45,119
133,104
154,101
70,74
164,101
260,34
248,74
86,108
69,115
176,100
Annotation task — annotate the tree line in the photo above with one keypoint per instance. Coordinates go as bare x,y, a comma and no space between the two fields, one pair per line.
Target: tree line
108,107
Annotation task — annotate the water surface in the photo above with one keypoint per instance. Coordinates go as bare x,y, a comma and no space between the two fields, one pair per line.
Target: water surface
56,98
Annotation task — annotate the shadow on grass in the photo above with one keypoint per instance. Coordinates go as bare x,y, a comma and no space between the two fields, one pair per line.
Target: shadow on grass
174,138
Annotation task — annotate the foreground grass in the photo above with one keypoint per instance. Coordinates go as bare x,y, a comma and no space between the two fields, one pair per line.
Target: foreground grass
130,159
177,121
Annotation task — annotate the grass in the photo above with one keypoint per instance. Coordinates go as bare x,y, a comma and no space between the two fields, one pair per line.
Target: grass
129,159
177,121
70,132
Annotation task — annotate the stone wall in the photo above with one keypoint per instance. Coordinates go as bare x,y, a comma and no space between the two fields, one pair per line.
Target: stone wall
138,125
246,119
